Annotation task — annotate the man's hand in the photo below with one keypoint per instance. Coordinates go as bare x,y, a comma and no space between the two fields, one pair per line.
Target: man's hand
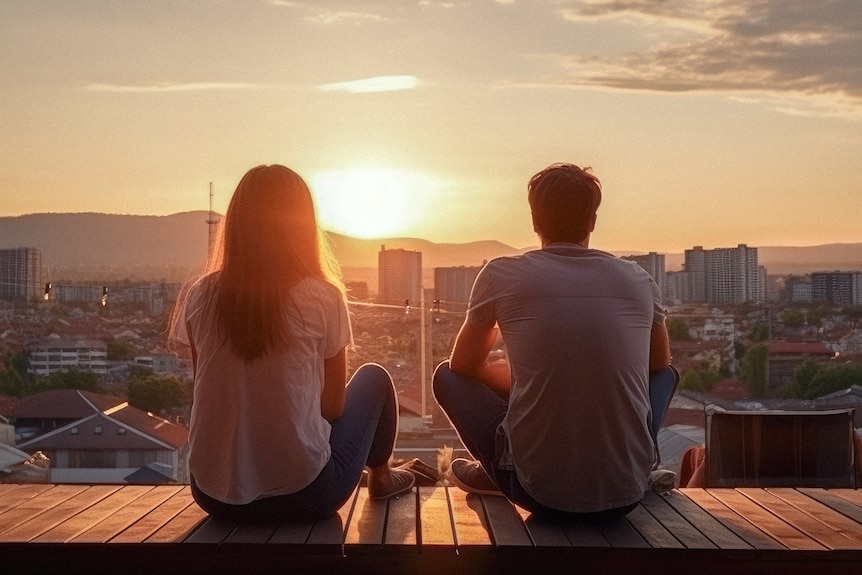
470,354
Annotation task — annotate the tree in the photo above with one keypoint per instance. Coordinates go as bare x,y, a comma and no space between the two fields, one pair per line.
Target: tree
754,369
15,379
118,350
678,329
699,379
158,394
760,331
813,380
794,318
70,379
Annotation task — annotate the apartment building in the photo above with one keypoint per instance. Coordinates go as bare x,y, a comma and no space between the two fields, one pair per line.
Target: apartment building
21,274
452,286
399,276
837,287
52,354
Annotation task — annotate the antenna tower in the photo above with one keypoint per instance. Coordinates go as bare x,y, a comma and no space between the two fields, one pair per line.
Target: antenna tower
211,222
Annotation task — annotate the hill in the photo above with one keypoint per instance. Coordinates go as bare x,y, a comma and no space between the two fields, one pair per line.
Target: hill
100,247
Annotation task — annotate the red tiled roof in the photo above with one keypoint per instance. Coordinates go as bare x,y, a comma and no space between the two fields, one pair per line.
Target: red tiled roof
158,427
64,404
142,429
799,347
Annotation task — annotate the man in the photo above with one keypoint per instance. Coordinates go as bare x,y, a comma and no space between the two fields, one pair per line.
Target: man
565,427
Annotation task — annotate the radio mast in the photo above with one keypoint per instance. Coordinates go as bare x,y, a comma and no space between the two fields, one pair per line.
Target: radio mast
212,222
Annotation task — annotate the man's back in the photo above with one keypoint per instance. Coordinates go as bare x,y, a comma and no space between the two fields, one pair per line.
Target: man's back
576,323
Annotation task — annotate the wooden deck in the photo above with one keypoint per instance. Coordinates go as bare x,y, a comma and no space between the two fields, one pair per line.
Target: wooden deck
159,529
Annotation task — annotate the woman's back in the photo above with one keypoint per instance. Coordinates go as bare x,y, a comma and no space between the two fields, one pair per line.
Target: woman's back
240,406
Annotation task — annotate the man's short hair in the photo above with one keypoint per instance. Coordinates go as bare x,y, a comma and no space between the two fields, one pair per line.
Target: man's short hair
564,199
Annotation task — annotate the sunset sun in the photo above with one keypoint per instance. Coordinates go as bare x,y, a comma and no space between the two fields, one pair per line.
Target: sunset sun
370,202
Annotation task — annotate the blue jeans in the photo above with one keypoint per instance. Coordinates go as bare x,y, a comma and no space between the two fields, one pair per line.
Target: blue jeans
475,412
363,435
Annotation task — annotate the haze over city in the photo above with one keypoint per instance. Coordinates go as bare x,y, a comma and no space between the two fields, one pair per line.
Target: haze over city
709,122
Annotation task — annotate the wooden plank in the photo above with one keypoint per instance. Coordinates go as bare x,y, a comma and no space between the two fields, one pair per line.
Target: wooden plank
212,530
738,524
852,495
708,525
830,517
621,534
812,527
179,527
113,525
144,527
781,531
544,532
77,524
368,521
329,533
435,518
506,526
651,530
247,532
48,519
584,535
291,533
14,494
834,501
35,506
676,524
468,516
401,524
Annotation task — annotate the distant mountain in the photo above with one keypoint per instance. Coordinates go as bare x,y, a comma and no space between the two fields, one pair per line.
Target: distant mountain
81,246
352,252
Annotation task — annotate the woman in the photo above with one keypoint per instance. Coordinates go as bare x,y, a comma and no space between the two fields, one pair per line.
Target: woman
274,432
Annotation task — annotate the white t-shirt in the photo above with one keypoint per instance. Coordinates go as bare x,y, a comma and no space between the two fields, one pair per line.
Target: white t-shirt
256,428
576,324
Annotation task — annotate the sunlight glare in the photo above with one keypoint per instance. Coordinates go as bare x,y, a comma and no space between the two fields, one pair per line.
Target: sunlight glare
370,202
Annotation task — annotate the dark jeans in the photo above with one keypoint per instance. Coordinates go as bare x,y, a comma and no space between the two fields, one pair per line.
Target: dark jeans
475,412
363,435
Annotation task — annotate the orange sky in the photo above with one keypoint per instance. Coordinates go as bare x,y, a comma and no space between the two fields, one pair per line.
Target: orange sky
709,122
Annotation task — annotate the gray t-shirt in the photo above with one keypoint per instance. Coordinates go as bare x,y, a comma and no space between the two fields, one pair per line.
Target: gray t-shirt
576,323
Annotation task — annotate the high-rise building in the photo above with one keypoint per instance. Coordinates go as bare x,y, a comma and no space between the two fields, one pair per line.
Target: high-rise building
720,276
733,276
837,287
695,270
452,286
21,273
399,276
653,263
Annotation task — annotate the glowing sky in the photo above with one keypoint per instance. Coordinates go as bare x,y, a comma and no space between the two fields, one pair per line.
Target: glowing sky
709,122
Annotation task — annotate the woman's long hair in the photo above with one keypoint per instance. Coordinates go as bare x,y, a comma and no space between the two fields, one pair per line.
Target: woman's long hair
268,242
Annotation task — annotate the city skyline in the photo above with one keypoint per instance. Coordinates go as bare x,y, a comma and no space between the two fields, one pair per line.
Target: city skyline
709,122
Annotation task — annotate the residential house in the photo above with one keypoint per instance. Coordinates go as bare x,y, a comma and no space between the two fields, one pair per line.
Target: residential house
94,438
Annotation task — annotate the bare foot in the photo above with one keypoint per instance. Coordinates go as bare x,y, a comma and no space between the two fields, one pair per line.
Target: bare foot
384,482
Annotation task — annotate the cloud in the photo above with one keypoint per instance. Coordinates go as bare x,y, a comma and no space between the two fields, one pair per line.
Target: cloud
376,84
775,46
316,13
167,87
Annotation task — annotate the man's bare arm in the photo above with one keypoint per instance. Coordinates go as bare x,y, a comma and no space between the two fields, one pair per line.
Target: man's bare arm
659,348
470,355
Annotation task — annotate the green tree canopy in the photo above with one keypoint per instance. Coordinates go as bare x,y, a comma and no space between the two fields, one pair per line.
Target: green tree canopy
813,380
678,329
73,378
158,394
794,318
753,371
